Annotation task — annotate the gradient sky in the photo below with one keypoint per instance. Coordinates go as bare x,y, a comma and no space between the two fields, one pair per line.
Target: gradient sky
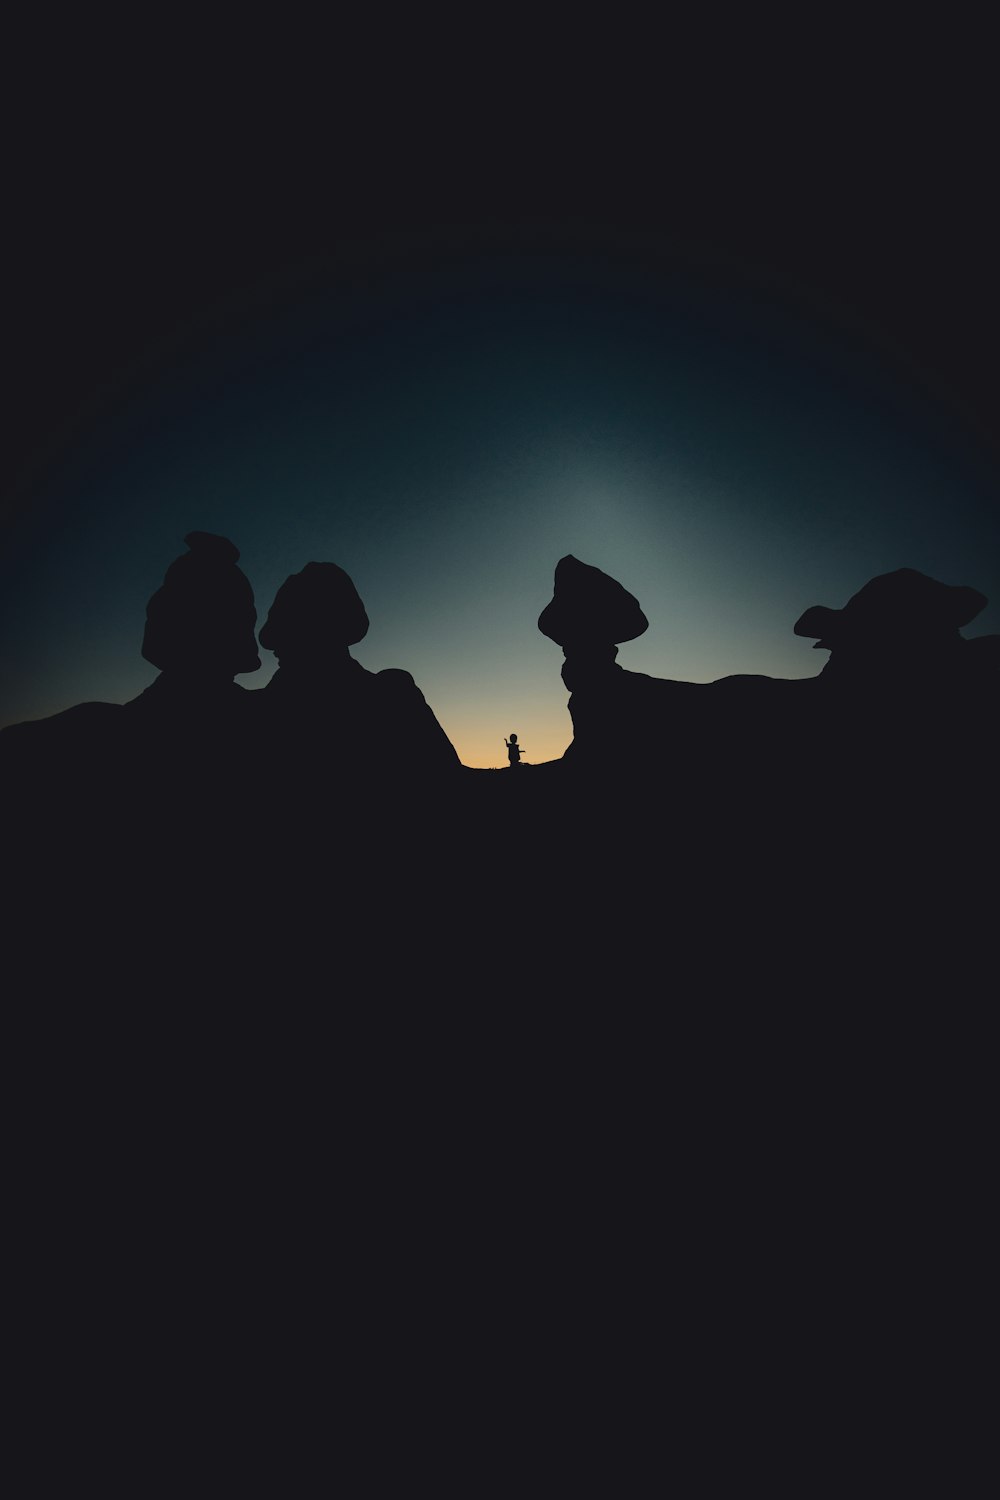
447,432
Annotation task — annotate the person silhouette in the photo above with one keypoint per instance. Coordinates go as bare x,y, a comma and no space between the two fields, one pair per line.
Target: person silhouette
514,751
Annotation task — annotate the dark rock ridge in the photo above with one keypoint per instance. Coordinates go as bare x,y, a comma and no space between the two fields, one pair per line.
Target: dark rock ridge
327,726
897,639
902,628
332,804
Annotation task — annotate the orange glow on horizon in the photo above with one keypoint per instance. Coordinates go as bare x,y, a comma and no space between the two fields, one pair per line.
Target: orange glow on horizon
483,749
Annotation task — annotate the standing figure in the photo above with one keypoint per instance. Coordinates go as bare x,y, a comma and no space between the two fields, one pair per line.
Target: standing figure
513,750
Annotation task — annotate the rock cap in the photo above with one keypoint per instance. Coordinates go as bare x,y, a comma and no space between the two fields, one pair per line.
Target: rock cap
315,610
901,605
589,608
203,617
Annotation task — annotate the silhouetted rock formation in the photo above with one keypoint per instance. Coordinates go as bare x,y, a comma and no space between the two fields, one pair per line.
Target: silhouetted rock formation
326,714
199,632
188,733
201,622
865,794
39,746
628,726
906,713
142,808
590,611
901,630
898,661
358,771
190,729
856,803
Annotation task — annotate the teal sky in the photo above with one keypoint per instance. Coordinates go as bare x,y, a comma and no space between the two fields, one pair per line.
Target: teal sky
447,434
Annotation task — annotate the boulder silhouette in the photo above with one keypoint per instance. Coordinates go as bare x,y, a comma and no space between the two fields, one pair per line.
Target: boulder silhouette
188,733
589,609
900,626
315,613
906,710
201,621
629,724
199,632
135,818
359,776
903,688
844,814
328,713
